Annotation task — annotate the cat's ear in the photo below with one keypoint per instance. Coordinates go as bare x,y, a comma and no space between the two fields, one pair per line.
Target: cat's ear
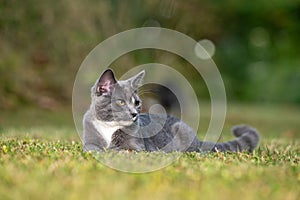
136,80
105,83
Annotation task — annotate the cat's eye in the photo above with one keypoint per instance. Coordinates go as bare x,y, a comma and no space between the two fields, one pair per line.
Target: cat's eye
137,103
121,102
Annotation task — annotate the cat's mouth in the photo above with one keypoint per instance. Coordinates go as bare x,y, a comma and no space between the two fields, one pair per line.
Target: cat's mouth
134,118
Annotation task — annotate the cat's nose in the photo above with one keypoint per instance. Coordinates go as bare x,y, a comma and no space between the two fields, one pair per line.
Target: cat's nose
134,114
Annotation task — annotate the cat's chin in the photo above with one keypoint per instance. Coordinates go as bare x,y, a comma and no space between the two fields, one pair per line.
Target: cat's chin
126,123
119,123
134,119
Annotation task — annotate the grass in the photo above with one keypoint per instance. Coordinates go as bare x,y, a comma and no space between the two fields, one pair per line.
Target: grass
43,158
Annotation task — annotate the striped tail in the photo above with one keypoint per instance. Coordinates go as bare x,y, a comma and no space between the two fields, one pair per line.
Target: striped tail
247,139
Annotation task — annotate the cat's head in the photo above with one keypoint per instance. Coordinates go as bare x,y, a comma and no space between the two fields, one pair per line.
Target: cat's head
117,101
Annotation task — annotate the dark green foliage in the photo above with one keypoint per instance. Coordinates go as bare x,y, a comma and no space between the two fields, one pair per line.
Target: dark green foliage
44,42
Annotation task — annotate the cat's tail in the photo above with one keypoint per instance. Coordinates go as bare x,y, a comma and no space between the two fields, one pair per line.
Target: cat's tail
247,139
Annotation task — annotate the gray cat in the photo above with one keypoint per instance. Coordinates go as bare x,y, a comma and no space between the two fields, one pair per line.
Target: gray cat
113,121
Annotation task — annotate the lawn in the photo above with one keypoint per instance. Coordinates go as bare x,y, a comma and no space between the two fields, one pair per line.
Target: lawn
41,158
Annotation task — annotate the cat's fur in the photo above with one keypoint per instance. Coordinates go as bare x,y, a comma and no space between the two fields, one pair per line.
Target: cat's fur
113,121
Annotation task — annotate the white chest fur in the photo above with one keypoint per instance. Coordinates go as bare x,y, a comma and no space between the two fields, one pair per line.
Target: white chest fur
106,129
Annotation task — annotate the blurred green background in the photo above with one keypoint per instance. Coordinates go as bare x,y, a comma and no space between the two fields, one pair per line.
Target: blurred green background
42,44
